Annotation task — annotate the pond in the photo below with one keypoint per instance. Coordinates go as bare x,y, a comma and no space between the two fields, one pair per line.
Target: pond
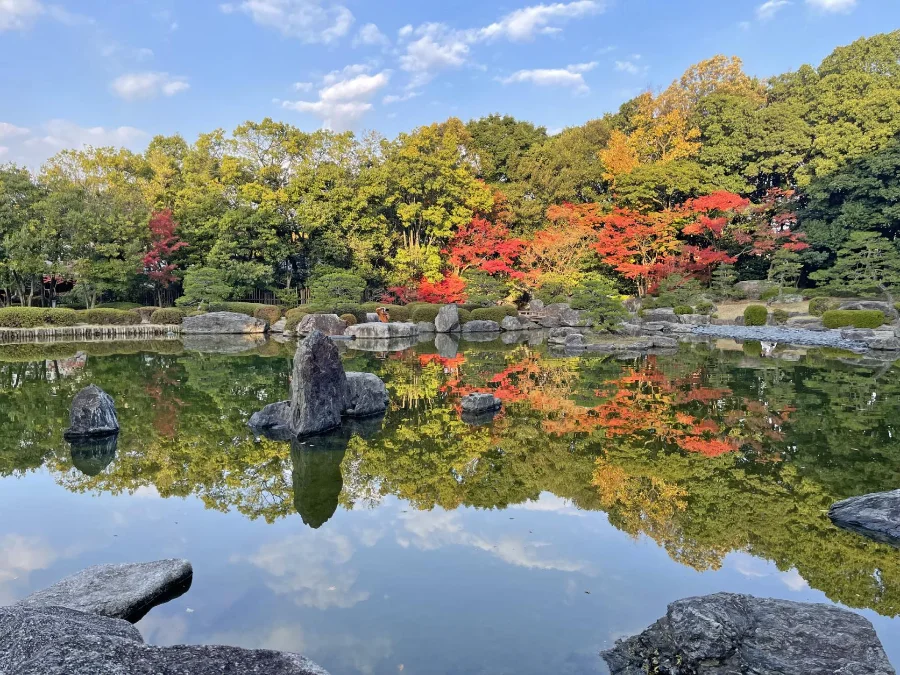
607,488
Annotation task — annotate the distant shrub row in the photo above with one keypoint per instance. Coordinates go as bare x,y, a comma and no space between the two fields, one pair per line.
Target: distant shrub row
36,317
270,313
858,318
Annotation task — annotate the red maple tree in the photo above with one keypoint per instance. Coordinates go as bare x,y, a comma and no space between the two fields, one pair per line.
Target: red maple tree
484,246
164,242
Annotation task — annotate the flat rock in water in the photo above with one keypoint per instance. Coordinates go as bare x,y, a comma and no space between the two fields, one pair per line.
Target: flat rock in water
447,319
93,413
62,641
330,324
125,591
481,327
726,633
222,323
367,395
876,516
318,386
273,416
382,331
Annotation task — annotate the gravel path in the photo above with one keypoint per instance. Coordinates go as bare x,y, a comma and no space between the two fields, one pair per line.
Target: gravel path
829,338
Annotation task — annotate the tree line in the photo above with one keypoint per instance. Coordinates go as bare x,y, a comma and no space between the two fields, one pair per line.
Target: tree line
719,177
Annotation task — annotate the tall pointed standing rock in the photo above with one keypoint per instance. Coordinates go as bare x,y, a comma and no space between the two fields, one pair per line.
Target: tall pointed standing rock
93,414
319,389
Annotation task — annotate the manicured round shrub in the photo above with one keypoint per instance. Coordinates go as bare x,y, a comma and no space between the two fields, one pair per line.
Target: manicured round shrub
684,309
268,313
350,319
427,313
705,307
35,317
756,315
168,316
857,318
489,314
110,317
780,317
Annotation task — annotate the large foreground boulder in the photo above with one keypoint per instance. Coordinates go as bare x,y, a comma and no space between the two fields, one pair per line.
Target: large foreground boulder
125,591
222,323
63,641
726,634
876,516
366,395
329,324
382,331
447,319
318,387
93,414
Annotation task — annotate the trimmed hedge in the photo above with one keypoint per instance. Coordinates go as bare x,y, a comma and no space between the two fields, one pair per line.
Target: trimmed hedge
684,309
110,317
465,315
168,316
35,317
117,305
756,315
858,318
350,319
489,314
425,312
780,317
268,313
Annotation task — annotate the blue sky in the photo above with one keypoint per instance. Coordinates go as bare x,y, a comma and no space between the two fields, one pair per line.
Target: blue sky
103,72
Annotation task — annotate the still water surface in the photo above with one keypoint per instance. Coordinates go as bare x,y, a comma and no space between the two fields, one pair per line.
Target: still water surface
417,544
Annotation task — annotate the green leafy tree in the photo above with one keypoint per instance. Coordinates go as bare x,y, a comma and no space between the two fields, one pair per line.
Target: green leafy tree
595,297
204,286
337,287
866,263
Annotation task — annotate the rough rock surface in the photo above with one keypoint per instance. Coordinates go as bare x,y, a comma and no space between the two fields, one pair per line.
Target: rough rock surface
426,327
126,591
278,326
330,324
319,386
726,634
574,341
560,314
224,344
665,314
366,395
93,413
511,323
779,334
273,416
529,325
536,305
382,331
447,319
876,516
62,641
479,403
447,346
694,319
222,323
481,327
628,346
753,289
806,323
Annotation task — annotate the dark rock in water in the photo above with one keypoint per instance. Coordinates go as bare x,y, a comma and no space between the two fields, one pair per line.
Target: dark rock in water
93,413
330,324
62,641
447,319
447,346
876,516
92,455
273,421
319,386
480,403
726,634
366,395
125,591
230,323
316,476
479,419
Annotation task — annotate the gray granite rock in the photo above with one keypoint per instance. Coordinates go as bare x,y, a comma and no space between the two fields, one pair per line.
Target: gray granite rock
560,314
382,331
318,386
661,342
447,319
575,341
752,290
366,395
481,327
511,323
273,416
426,328
222,323
62,641
806,323
93,413
886,344
725,634
661,314
887,308
125,591
372,317
527,324
876,516
329,324
629,346
694,319
480,403
447,346
857,334
536,305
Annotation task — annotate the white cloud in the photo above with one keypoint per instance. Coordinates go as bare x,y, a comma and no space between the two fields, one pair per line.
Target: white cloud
631,67
435,47
303,86
833,5
523,24
134,86
770,8
308,20
394,98
570,76
19,556
19,14
8,130
345,97
370,36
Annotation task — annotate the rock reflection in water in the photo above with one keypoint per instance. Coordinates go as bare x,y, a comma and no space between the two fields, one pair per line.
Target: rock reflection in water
92,455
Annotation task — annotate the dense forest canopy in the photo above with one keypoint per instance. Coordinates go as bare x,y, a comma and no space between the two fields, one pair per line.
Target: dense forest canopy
718,173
